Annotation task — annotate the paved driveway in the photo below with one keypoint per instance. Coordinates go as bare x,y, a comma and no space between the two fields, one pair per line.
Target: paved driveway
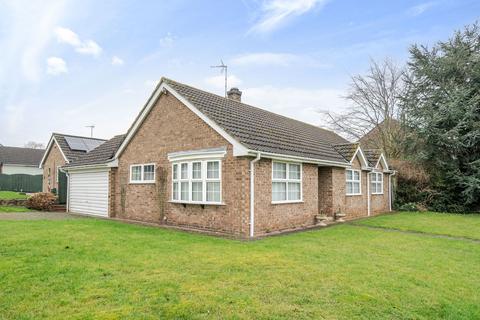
37,215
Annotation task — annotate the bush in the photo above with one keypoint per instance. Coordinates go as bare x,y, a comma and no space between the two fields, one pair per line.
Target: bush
408,207
41,201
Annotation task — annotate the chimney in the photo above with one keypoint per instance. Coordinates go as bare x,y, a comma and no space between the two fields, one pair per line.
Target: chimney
234,94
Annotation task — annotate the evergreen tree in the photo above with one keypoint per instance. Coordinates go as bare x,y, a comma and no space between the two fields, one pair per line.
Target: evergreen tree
442,104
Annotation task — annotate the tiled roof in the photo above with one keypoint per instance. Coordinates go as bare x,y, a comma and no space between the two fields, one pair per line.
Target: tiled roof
372,156
347,150
69,153
101,154
21,156
261,130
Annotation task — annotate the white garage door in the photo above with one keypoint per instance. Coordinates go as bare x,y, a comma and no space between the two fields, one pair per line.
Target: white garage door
88,193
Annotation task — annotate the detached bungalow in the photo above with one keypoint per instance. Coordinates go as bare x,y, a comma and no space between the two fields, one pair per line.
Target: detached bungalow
196,160
14,160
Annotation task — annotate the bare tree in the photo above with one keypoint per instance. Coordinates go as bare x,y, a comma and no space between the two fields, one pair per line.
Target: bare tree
34,145
374,113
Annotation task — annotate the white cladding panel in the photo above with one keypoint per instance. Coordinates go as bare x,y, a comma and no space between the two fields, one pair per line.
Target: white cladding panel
88,193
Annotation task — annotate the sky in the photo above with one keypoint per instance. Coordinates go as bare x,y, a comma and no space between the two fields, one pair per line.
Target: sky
65,65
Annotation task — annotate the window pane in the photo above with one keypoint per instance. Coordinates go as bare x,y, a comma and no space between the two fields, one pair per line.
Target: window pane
175,171
197,191
293,191
349,187
197,170
279,191
380,177
149,172
356,175
175,191
184,171
374,177
349,174
184,191
213,170
213,191
294,171
136,173
279,170
356,187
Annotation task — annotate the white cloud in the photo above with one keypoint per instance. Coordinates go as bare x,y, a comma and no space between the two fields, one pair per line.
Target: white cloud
421,8
65,35
218,82
298,103
116,61
275,13
56,66
167,41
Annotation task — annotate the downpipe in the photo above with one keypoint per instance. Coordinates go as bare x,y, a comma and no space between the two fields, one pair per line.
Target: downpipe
252,194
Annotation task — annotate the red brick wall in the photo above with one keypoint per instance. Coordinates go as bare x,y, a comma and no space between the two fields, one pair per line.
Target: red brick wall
172,127
380,202
275,217
52,161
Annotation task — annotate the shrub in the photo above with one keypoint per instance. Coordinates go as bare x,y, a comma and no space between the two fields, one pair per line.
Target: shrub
408,207
41,201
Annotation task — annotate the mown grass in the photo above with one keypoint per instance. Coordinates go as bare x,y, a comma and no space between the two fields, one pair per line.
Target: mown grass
97,269
13,209
456,225
11,195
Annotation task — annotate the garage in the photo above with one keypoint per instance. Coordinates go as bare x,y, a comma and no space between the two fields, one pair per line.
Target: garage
88,192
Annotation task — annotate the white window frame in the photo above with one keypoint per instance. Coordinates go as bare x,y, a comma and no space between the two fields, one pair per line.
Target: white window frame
377,183
57,174
204,180
359,181
287,180
142,181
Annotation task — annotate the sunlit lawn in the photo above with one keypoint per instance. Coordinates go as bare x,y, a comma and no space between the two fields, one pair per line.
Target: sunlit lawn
90,269
12,195
13,209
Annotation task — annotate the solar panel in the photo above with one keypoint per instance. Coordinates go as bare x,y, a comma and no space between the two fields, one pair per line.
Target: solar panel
82,144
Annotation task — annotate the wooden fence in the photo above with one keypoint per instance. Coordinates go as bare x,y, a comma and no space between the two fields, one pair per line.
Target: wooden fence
20,182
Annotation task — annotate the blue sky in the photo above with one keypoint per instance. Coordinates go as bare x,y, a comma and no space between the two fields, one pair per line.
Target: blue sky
68,64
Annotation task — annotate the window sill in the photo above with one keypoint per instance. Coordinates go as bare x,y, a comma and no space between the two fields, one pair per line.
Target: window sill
353,194
141,182
199,203
287,202
377,194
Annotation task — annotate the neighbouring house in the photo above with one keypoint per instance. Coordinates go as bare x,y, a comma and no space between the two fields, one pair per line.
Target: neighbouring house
14,160
62,149
196,160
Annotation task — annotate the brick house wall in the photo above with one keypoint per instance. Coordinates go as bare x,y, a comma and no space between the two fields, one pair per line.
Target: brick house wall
277,217
380,202
172,127
53,160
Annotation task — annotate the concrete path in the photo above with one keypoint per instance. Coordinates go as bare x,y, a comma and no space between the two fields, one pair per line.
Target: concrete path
37,215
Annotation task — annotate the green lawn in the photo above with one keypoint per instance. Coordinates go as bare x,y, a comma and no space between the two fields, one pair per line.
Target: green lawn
11,195
13,209
456,225
99,269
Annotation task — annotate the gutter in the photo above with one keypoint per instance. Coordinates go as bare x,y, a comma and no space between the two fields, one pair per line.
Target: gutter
252,194
390,189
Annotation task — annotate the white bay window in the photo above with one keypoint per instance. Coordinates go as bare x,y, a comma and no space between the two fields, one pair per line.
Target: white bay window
286,182
197,181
